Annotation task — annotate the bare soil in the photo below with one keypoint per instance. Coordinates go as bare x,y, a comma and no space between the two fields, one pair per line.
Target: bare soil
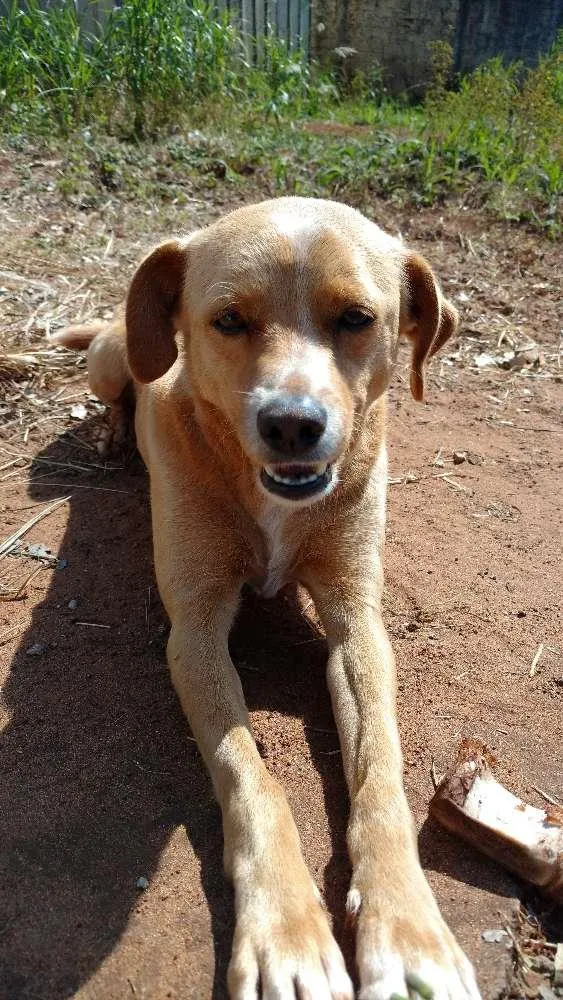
102,784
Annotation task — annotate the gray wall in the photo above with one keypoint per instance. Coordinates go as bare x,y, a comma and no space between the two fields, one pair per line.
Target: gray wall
396,33
516,29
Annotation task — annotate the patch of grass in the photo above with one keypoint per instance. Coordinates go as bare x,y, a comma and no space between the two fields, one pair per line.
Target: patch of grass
46,66
152,64
170,76
502,130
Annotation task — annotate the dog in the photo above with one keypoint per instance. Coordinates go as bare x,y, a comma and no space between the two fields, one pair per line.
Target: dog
259,350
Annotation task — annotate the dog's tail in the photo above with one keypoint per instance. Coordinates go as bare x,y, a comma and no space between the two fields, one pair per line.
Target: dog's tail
108,369
79,337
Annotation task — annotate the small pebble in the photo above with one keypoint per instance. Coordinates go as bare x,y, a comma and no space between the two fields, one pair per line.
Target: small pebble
142,882
495,936
459,457
37,649
73,604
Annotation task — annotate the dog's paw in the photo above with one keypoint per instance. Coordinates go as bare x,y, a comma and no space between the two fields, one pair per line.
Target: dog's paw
405,949
112,435
286,952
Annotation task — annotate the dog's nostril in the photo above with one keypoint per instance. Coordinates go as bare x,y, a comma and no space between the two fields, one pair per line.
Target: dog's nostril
310,432
292,425
273,434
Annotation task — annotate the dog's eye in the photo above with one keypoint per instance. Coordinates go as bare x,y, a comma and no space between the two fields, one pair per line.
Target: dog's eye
230,321
355,319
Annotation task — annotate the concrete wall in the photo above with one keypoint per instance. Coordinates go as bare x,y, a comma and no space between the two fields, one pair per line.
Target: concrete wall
396,33
517,29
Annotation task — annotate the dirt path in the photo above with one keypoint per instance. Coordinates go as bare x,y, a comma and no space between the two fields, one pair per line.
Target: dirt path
101,784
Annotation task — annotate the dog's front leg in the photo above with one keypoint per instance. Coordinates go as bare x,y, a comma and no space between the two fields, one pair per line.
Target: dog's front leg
401,937
283,947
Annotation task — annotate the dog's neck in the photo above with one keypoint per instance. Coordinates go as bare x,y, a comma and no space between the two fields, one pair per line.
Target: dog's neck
281,545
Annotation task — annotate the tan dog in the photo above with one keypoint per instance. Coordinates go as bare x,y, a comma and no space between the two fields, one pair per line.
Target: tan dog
260,349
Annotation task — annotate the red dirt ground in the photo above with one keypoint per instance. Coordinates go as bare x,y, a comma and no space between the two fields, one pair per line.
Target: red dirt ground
101,782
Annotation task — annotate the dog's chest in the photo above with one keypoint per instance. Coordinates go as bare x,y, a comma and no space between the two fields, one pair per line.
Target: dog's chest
280,549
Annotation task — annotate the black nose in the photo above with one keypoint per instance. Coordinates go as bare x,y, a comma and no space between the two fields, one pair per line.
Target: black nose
292,425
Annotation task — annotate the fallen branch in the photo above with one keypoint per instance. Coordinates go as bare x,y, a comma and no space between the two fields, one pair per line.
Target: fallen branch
471,803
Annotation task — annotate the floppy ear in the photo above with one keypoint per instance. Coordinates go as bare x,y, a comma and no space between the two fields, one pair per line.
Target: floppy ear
153,298
427,318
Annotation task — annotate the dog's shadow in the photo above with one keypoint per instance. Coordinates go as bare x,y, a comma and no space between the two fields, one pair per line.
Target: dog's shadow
98,769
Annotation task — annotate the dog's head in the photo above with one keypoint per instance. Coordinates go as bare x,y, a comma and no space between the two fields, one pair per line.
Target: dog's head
290,312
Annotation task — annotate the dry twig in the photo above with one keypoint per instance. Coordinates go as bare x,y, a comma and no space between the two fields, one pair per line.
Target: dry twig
9,542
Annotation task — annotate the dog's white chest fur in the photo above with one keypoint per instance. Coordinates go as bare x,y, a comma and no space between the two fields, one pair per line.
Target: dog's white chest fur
280,551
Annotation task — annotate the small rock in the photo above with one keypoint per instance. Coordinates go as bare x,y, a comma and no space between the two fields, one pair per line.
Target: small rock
142,882
37,649
529,357
533,357
459,457
79,411
73,604
495,936
484,360
39,552
474,459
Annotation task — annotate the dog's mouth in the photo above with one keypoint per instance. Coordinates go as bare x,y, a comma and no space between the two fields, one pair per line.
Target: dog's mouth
296,482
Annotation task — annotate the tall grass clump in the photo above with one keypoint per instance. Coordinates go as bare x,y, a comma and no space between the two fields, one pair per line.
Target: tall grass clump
151,63
148,62
163,56
283,83
47,66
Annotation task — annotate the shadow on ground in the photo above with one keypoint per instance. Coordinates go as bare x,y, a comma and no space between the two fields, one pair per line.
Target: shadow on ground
97,766
97,769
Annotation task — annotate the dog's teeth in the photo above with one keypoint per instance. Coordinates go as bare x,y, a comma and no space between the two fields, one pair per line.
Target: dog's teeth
294,480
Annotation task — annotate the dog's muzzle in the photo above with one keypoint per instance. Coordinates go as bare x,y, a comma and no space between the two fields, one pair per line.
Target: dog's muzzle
294,430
